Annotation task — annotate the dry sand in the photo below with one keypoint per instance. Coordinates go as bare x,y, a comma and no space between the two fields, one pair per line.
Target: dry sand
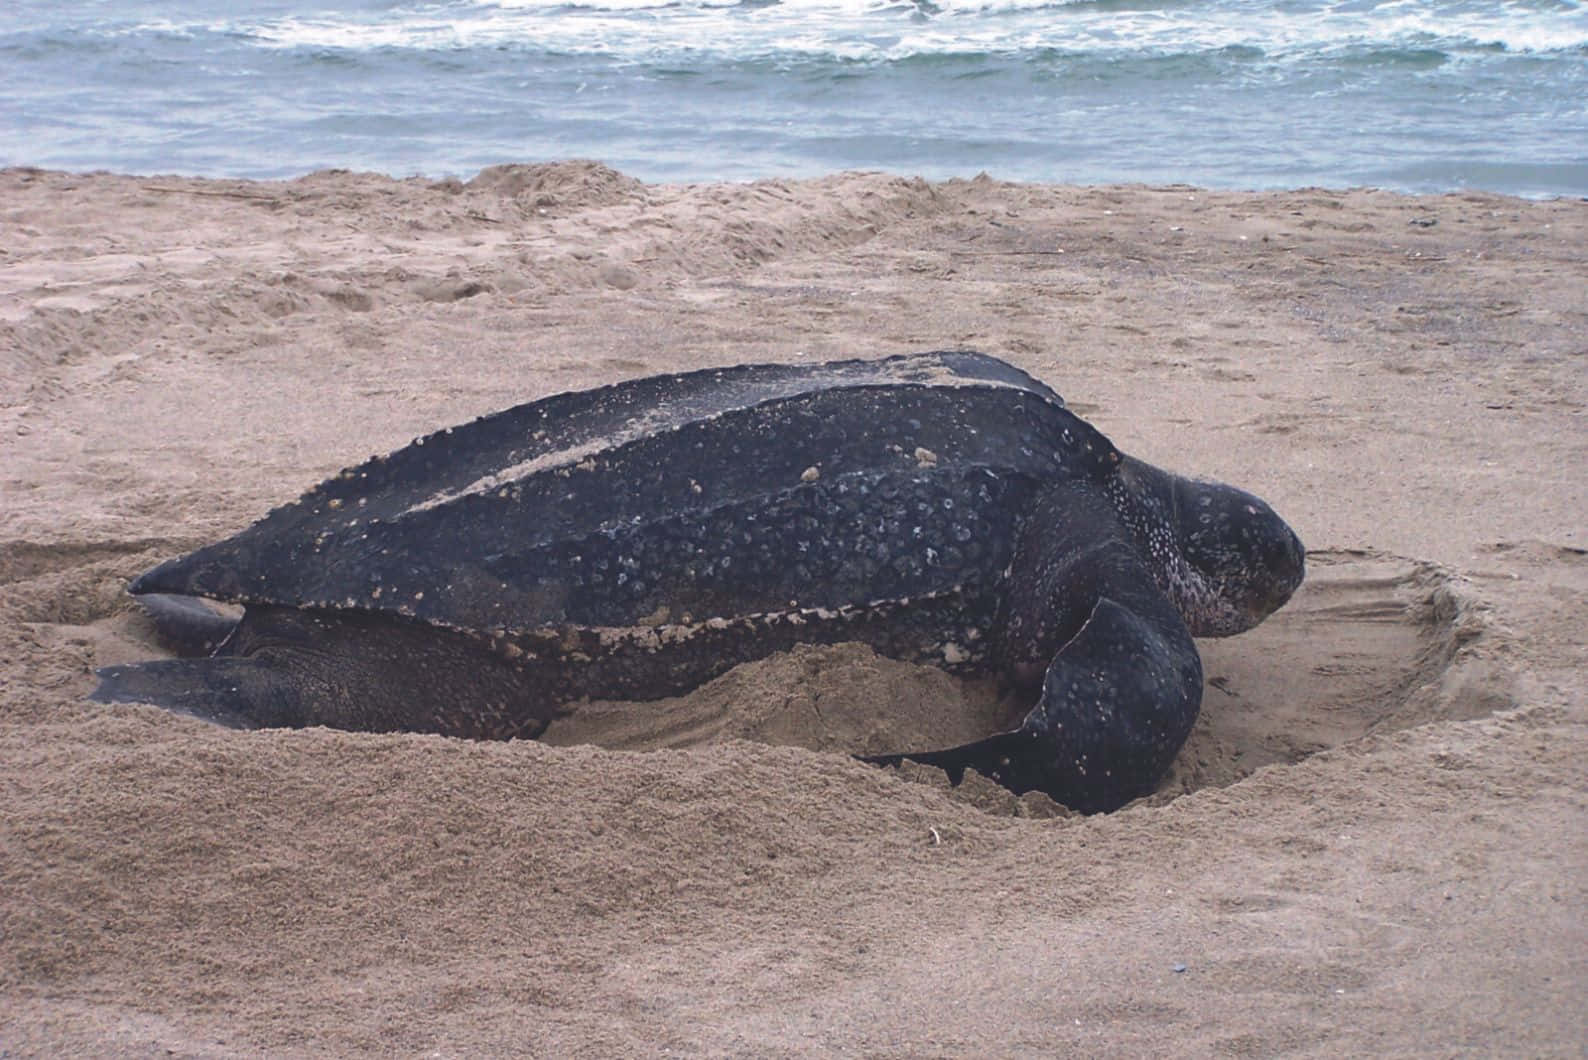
1375,841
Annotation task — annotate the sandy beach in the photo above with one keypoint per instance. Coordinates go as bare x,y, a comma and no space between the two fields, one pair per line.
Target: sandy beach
1376,840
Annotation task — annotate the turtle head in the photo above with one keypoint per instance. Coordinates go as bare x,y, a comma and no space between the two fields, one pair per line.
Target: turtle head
1247,558
1224,557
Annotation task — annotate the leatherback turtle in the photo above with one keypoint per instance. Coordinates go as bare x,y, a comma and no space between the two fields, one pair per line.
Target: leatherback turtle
633,541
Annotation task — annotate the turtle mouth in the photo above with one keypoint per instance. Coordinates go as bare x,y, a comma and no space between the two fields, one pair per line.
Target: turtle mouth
1267,606
1278,594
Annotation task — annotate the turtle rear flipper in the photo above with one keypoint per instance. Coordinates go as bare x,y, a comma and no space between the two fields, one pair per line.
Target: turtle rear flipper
285,667
235,692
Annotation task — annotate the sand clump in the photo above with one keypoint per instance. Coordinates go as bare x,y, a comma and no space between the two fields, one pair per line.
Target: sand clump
844,699
1372,842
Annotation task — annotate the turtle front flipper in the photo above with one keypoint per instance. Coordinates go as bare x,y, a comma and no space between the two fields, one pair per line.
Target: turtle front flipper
1121,681
1117,703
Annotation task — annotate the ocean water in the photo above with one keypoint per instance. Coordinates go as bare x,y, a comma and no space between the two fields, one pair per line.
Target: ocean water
1430,96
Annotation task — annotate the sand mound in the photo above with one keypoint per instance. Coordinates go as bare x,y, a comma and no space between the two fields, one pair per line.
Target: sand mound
574,184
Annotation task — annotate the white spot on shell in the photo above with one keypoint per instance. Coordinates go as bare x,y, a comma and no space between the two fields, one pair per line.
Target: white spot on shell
810,474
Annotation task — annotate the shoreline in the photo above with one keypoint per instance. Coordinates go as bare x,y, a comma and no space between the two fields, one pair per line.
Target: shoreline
1579,195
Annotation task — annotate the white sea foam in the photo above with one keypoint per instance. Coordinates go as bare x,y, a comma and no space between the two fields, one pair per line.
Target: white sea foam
868,30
